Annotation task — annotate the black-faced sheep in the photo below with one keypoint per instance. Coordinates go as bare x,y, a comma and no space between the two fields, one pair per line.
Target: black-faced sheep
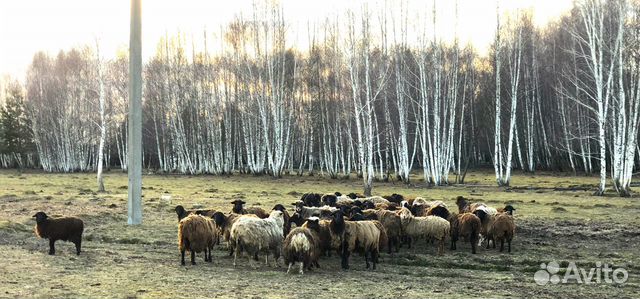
362,236
392,224
486,215
180,210
238,208
467,227
463,205
311,199
502,228
63,228
302,245
424,227
287,219
196,234
255,235
507,209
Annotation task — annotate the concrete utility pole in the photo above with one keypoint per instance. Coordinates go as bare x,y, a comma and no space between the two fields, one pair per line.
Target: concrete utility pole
135,117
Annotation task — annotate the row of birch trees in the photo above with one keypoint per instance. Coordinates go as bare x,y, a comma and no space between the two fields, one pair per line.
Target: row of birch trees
376,94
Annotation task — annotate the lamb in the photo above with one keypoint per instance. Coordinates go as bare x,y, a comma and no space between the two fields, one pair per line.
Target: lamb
502,228
196,234
302,245
238,208
311,199
364,236
467,226
255,235
425,227
63,228
392,224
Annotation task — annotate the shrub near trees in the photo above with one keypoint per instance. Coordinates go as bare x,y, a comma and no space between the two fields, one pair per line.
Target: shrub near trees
16,140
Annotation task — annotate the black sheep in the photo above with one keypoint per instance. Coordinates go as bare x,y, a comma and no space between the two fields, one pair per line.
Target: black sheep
64,228
311,199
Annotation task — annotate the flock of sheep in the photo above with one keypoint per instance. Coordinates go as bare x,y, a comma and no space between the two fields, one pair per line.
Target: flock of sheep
320,224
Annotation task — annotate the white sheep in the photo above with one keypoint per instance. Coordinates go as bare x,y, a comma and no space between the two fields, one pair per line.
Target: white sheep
255,235
424,227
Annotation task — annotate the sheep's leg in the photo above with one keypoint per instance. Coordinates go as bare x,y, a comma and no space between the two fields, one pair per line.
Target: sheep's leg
266,259
409,242
78,243
289,268
441,247
52,247
473,246
345,259
509,243
301,268
366,259
235,257
489,242
182,253
374,257
501,245
193,257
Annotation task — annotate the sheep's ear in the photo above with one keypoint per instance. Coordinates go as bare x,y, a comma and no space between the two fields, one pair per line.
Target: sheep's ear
34,216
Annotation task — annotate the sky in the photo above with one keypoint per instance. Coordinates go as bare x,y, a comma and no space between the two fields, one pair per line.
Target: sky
28,26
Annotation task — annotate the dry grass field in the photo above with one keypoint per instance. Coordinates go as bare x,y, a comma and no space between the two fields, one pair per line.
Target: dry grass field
557,217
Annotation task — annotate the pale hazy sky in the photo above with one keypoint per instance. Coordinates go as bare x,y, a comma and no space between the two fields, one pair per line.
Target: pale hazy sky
27,26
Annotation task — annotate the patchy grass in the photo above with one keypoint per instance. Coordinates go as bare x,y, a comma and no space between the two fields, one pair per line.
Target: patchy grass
558,220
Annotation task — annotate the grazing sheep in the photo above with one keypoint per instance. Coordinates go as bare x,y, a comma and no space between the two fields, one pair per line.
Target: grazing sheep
363,236
311,199
255,235
467,226
196,234
502,228
424,227
392,224
302,245
439,211
63,228
238,208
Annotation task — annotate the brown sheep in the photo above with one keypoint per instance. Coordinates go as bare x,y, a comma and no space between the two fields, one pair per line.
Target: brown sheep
502,228
363,236
392,224
302,245
463,205
467,227
64,228
196,234
238,208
